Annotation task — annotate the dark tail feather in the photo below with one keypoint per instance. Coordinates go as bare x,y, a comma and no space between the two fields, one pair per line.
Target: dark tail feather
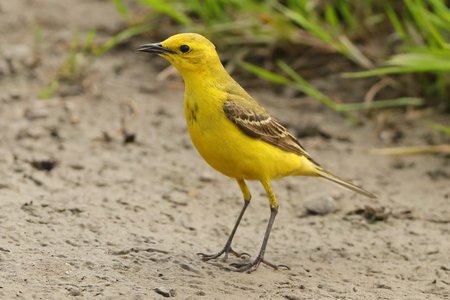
349,185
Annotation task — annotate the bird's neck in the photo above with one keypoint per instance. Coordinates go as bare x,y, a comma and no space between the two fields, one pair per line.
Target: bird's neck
207,75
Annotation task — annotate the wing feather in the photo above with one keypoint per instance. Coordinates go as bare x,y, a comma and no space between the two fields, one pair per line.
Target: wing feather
259,124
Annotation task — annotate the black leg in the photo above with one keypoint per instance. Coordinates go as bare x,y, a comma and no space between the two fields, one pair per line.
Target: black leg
227,249
252,266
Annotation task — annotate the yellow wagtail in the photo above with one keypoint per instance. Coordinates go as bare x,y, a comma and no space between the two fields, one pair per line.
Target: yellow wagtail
233,133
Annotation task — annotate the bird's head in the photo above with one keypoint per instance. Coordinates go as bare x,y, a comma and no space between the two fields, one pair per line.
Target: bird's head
187,52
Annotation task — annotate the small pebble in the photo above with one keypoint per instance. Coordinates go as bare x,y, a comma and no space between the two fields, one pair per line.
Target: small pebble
166,292
292,297
206,177
383,286
321,205
73,291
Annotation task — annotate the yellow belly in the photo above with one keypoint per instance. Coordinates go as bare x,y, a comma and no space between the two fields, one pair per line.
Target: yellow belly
230,151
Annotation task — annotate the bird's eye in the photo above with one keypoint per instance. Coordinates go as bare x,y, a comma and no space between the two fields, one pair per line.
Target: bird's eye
184,48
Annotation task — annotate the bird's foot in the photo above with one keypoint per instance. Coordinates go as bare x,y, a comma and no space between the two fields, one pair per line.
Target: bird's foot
252,266
225,251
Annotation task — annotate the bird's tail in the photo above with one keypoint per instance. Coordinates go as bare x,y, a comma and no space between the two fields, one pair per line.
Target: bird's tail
327,175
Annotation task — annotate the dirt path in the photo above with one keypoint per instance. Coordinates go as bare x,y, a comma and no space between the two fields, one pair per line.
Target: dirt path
103,196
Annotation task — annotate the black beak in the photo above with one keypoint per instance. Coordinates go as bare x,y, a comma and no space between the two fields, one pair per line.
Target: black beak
155,48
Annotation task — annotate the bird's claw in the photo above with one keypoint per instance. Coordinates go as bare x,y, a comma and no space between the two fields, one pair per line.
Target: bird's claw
226,251
252,266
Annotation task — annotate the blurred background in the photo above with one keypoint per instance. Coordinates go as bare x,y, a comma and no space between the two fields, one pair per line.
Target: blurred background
360,59
397,52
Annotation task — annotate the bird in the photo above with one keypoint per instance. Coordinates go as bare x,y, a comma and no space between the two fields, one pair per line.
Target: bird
236,135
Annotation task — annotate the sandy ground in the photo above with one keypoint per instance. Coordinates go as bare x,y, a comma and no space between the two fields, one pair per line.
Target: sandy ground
84,214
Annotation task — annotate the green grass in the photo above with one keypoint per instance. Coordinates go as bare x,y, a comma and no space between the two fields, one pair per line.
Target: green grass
438,127
74,65
412,34
417,33
82,52
296,81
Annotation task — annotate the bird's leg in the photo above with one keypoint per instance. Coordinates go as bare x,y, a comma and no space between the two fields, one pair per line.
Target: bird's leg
252,266
227,249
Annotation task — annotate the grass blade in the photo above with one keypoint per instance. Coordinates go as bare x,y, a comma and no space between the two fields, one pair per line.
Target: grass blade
380,104
438,127
49,91
435,62
120,37
413,150
263,73
305,87
167,9
121,8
